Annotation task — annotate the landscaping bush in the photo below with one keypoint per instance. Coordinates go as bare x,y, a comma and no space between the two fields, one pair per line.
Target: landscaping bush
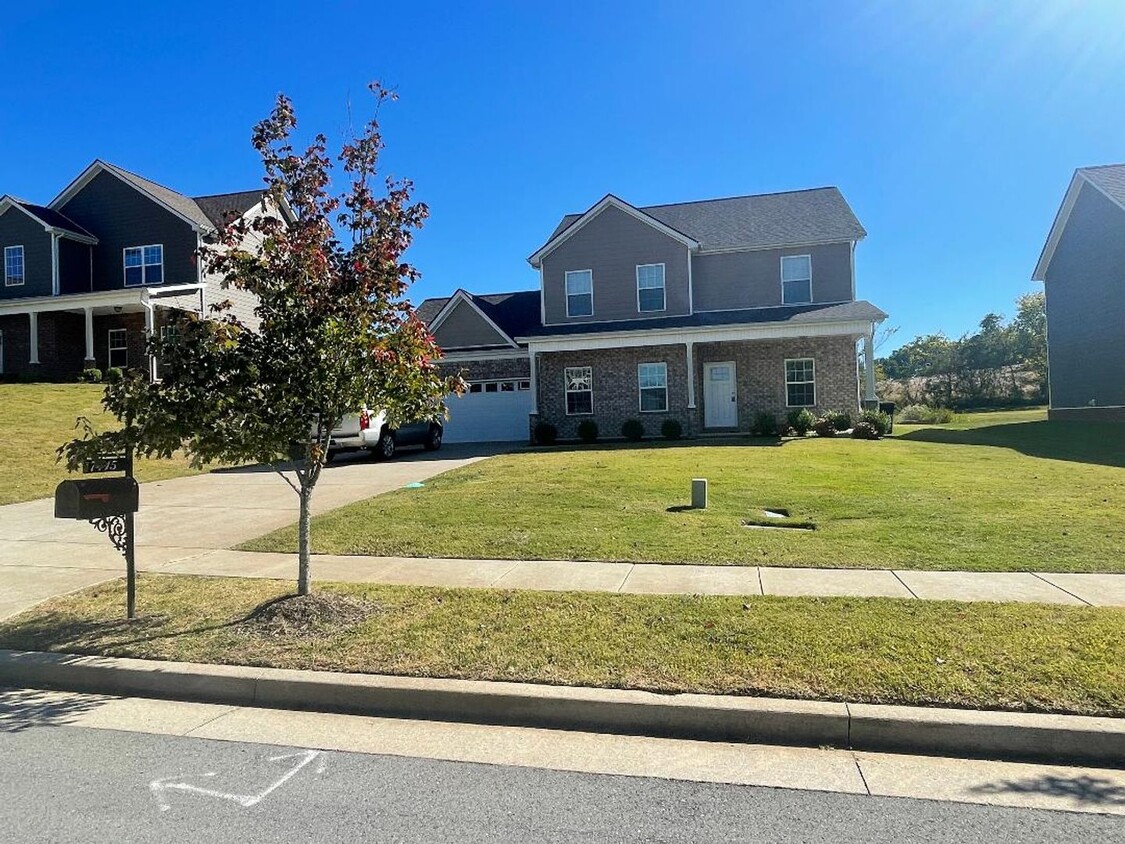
588,431
864,430
633,430
113,375
841,419
925,414
823,427
765,425
546,433
91,376
671,429
801,420
881,422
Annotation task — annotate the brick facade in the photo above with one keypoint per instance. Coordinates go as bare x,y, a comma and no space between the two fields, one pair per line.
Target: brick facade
488,370
759,374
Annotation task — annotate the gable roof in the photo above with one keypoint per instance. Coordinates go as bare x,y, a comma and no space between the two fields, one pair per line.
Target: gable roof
512,313
1108,179
202,213
49,218
758,221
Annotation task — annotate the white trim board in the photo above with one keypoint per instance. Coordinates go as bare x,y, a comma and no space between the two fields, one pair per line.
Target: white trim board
7,202
605,202
1077,182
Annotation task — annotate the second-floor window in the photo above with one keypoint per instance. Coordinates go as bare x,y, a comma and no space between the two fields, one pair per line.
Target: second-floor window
579,293
796,279
144,265
650,287
13,266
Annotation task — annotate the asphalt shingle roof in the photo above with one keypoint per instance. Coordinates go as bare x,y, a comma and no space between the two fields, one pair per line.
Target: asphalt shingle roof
221,208
50,217
756,222
1108,178
515,313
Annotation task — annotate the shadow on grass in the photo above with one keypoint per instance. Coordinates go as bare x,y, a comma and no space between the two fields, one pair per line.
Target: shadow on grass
1082,790
1099,443
743,441
21,709
454,451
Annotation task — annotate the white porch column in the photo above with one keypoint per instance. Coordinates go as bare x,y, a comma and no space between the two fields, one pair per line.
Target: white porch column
690,375
89,336
868,367
150,323
33,319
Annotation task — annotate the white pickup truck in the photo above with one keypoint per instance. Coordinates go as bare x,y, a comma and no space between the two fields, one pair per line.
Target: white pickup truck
368,430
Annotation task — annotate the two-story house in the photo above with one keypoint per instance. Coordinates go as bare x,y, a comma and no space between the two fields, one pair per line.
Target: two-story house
704,312
1082,266
90,274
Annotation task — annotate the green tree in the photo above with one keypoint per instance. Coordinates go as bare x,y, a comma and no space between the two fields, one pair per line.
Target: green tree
335,331
1029,328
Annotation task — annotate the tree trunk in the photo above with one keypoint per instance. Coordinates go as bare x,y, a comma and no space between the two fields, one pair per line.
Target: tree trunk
304,542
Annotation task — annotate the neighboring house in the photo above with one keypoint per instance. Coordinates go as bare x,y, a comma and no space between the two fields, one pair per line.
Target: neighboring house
1083,267
89,275
704,312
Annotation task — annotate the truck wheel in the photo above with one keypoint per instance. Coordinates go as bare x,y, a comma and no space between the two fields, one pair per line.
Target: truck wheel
385,448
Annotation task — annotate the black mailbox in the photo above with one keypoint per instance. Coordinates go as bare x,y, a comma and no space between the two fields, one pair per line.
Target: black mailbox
888,407
96,498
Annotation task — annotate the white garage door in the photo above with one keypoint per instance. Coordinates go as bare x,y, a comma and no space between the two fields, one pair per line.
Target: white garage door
492,411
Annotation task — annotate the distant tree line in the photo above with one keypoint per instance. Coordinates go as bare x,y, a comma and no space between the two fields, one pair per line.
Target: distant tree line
1002,363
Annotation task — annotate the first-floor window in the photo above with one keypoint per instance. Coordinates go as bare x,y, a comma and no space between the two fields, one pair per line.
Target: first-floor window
579,390
13,266
653,381
144,265
118,348
800,383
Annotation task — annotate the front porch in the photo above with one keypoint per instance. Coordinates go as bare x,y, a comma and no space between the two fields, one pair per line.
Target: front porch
56,337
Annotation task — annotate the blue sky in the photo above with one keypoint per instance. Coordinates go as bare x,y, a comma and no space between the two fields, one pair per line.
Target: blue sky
951,127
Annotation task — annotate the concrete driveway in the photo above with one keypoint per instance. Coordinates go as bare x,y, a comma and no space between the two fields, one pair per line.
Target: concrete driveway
41,556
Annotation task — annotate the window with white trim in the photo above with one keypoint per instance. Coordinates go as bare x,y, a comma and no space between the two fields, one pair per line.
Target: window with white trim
13,266
800,382
652,382
118,348
579,293
579,381
650,287
144,265
796,279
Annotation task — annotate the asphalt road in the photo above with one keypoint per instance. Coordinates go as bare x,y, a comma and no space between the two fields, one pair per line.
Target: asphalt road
61,784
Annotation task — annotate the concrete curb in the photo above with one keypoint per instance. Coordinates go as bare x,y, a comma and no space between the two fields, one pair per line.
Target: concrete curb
949,732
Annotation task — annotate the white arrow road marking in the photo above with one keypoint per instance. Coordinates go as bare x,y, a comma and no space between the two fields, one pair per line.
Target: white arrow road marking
161,786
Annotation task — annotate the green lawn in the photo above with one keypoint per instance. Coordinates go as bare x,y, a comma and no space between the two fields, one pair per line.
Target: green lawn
879,650
35,419
985,493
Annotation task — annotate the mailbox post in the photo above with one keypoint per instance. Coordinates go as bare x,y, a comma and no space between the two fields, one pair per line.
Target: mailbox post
109,505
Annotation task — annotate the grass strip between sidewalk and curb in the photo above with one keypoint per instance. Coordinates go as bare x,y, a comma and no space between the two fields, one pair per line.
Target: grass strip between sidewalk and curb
1017,657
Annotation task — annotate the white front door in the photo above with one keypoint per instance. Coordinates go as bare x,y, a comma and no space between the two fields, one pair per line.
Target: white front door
720,396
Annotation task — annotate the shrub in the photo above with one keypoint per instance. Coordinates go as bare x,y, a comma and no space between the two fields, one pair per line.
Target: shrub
823,427
588,431
113,375
671,429
546,433
633,430
801,420
765,425
864,430
926,414
879,421
841,419
91,376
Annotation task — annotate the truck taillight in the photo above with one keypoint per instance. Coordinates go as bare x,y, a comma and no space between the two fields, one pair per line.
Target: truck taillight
364,420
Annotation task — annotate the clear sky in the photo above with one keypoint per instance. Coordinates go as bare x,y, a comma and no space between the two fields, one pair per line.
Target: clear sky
951,127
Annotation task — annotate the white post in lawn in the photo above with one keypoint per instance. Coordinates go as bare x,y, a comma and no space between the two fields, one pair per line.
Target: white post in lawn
868,367
89,336
33,317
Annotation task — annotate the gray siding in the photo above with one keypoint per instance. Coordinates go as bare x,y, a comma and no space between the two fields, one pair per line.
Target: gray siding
121,216
464,328
18,229
74,266
1085,286
730,280
612,245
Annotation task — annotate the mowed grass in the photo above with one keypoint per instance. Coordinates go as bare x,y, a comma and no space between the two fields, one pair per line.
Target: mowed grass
880,650
35,419
984,494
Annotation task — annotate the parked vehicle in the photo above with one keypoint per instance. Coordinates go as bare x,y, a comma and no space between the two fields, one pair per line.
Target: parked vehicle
368,430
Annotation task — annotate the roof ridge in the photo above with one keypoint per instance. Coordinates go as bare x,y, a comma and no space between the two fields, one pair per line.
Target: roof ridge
1101,166
738,196
136,175
224,193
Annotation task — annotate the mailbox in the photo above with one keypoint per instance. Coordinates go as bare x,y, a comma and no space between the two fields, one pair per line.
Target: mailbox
96,498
